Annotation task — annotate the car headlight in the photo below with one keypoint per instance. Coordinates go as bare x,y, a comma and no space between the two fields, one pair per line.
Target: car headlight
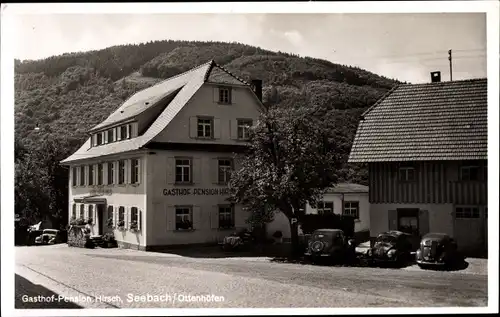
391,253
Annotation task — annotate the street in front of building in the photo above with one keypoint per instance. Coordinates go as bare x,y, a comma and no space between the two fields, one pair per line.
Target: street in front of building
118,278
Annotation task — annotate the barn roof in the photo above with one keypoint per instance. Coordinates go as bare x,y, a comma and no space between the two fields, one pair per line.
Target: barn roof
417,122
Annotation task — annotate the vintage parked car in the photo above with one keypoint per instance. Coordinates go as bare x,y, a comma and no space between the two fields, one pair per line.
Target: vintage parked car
393,247
330,244
49,236
437,249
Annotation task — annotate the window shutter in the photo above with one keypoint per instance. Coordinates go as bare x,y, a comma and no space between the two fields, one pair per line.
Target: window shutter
105,137
216,128
234,129
393,219
139,170
231,96
170,218
214,217
197,217
196,165
139,219
170,170
423,222
214,170
129,133
193,127
118,133
105,173
216,95
94,139
127,217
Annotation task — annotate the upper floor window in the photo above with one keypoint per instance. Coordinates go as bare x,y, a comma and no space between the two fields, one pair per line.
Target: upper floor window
99,139
351,208
325,207
82,211
182,170
82,175
469,173
225,167
134,171
407,173
99,174
111,135
121,172
111,173
225,95
73,176
243,129
91,175
205,127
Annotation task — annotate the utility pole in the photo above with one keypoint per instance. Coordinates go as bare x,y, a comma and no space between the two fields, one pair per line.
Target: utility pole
449,58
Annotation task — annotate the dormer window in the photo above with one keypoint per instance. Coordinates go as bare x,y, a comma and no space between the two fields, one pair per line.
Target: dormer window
111,135
99,139
224,95
123,132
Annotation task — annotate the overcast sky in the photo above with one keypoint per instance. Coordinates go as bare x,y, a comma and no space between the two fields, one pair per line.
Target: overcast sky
403,46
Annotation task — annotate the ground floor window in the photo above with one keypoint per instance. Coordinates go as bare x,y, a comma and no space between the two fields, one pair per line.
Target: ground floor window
183,218
467,212
226,216
73,213
110,217
82,211
325,207
351,208
134,219
121,216
91,214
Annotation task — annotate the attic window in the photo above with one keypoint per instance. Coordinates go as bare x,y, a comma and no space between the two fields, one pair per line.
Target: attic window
224,95
406,173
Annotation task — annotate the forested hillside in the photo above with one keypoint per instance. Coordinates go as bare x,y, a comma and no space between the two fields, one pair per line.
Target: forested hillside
66,95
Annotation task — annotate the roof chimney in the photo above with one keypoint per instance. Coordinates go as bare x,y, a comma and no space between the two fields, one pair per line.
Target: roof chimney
257,88
436,77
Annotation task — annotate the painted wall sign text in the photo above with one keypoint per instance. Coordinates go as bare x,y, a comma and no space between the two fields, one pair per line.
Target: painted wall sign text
196,191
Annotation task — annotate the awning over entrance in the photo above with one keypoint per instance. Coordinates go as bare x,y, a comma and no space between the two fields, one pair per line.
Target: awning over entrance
96,199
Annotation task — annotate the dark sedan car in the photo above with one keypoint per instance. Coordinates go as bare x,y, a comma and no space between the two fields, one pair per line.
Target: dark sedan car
330,244
437,249
391,247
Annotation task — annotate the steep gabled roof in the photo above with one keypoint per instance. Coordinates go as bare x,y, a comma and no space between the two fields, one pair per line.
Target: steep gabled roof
435,121
184,86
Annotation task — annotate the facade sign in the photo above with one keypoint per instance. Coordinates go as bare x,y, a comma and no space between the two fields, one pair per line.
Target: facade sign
196,191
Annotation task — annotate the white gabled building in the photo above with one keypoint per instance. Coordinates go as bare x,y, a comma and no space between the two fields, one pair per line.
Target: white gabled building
160,161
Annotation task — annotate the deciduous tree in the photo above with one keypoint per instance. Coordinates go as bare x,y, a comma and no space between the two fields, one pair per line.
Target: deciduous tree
291,160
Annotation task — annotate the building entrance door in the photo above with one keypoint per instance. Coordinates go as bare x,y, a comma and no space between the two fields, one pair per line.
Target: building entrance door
100,219
408,223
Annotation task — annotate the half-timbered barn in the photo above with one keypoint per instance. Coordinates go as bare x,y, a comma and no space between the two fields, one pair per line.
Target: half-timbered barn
426,148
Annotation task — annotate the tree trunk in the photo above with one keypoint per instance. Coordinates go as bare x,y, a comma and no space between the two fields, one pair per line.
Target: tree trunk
294,234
